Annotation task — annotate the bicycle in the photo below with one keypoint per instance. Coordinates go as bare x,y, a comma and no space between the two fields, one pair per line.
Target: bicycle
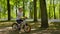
22,25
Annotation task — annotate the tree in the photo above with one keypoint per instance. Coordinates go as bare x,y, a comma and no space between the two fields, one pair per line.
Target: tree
44,18
31,12
23,8
59,9
35,11
39,12
16,7
50,10
8,7
54,9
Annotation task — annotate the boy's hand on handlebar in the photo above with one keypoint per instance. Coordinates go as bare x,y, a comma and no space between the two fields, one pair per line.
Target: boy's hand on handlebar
24,18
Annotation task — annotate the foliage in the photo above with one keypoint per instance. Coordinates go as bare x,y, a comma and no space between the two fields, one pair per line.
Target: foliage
14,4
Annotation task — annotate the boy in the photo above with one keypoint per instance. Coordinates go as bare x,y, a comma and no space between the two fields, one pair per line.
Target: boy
19,16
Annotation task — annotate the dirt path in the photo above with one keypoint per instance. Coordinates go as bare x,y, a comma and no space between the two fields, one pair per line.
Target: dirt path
8,30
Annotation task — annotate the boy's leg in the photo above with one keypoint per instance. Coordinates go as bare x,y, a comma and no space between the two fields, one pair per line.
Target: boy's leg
18,21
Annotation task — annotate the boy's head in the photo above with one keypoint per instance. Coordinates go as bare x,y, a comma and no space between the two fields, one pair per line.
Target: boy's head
20,9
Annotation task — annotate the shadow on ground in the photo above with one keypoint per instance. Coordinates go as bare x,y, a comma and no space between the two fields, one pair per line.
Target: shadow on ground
54,28
38,31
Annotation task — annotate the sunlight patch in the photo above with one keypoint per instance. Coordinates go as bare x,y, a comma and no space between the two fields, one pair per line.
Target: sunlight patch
33,29
34,33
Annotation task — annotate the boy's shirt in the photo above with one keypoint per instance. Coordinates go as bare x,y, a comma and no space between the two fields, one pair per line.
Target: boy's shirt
19,15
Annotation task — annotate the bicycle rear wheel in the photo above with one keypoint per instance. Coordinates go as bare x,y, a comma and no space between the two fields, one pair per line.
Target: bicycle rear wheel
14,26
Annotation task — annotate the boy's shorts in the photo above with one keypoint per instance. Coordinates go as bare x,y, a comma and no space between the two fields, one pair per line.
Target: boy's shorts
19,21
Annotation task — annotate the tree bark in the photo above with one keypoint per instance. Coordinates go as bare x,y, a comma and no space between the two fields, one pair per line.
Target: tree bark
35,11
16,8
59,11
23,8
49,10
44,17
8,7
54,10
39,14
31,13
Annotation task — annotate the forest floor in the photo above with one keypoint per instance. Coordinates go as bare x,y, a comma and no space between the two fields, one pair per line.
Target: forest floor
54,28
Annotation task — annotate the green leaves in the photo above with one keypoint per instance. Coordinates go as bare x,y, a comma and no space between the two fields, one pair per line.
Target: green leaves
28,4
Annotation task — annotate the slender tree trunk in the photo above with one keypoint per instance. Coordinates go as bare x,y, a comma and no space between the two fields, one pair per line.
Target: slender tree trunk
31,15
44,17
0,14
54,10
39,11
59,11
23,8
54,13
16,9
35,11
4,11
0,11
8,7
49,10
39,14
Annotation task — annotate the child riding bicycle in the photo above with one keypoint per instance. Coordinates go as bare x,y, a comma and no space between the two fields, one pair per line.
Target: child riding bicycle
19,16
21,24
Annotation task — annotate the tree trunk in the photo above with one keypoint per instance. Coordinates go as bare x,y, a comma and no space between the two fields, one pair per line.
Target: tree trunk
44,18
54,10
49,10
23,8
39,14
35,11
31,14
39,11
16,8
59,11
54,13
8,7
0,14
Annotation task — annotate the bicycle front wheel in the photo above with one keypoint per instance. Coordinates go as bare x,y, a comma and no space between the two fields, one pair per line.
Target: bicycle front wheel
27,28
